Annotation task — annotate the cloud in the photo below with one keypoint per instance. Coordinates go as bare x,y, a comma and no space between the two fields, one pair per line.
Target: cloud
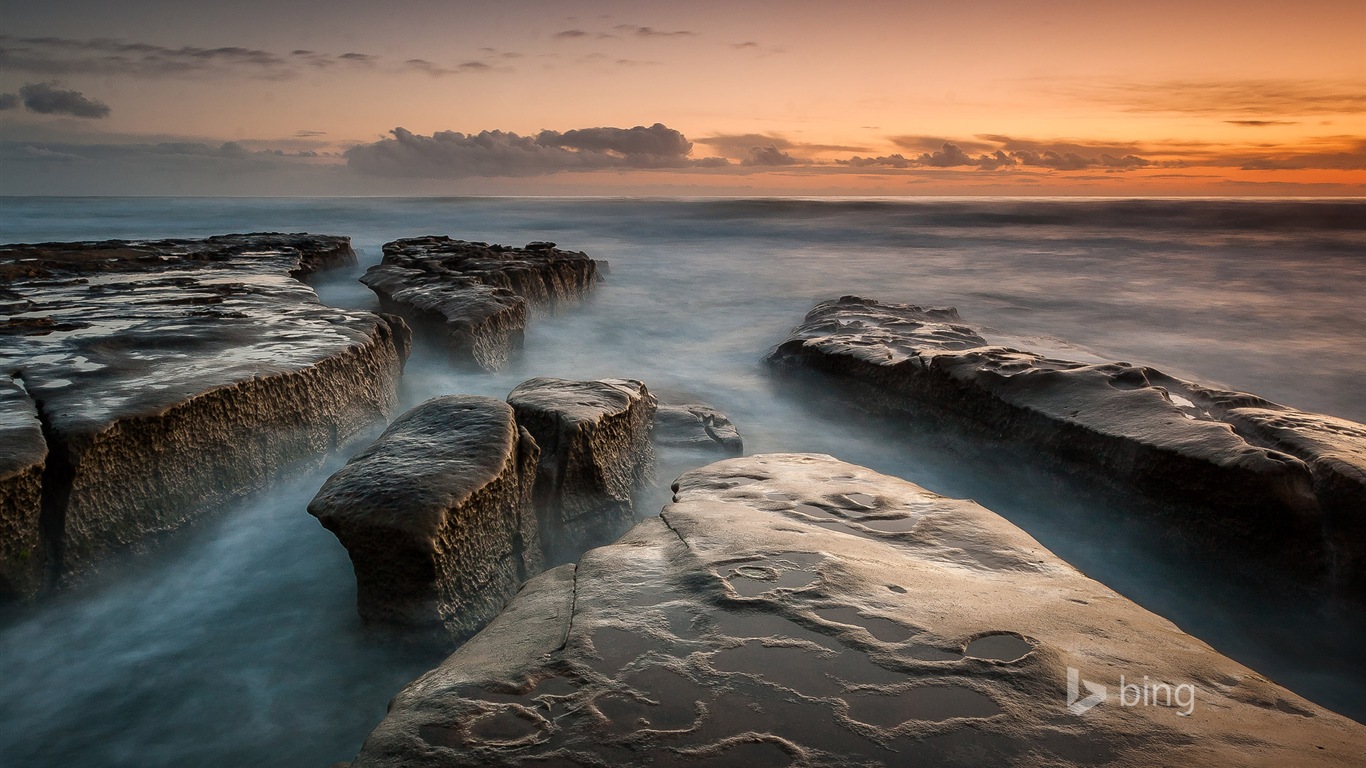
1258,99
8,101
451,154
658,140
570,34
48,99
933,143
436,70
306,134
1260,123
740,145
631,29
768,156
57,56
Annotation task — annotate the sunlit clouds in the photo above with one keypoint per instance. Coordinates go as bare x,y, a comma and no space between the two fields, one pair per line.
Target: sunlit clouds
654,98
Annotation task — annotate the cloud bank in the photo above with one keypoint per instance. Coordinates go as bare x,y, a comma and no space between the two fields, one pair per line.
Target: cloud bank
451,154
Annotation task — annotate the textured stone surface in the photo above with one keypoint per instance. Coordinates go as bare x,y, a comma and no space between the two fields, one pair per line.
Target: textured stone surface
173,376
436,515
595,452
474,297
795,610
699,426
22,455
1288,484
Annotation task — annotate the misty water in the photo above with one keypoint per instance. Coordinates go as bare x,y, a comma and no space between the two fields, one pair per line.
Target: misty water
237,643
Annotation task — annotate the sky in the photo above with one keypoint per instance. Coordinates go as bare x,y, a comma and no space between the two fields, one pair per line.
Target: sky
521,97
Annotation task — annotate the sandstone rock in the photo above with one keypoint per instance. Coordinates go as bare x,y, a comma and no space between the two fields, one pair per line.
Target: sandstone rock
595,451
436,515
22,455
696,425
173,376
1282,482
793,609
474,297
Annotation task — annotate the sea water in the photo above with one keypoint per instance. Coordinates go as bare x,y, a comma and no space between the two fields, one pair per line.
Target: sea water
237,642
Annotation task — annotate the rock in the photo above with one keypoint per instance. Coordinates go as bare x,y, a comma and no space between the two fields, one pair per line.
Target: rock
173,376
698,426
793,609
474,297
595,451
23,453
436,515
1283,483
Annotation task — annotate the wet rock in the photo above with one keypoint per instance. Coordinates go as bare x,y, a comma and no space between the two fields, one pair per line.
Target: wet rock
696,426
173,376
1287,484
735,624
595,451
474,297
22,455
436,515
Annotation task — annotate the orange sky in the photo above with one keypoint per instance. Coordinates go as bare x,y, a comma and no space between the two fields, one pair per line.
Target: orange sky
982,97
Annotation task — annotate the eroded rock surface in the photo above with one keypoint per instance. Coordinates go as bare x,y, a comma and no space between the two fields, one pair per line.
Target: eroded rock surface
595,452
174,375
1286,483
436,515
474,297
697,426
796,610
22,457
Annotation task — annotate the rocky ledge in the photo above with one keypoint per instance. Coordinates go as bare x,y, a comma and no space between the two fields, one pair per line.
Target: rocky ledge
1287,484
696,426
23,454
796,610
473,298
595,452
171,376
436,515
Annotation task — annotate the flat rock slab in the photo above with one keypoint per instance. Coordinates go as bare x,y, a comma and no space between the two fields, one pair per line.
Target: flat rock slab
436,515
1288,484
696,426
796,610
23,453
472,297
174,375
595,452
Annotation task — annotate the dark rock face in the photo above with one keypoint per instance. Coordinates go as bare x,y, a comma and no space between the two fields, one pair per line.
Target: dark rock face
698,426
1285,483
173,376
793,609
22,455
436,515
474,297
595,451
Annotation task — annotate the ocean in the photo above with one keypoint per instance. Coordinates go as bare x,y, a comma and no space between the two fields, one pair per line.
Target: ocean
237,642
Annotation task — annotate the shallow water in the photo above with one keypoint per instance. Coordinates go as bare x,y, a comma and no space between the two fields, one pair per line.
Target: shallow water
238,644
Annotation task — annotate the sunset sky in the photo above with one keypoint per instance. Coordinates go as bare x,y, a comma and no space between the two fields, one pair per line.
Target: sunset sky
699,98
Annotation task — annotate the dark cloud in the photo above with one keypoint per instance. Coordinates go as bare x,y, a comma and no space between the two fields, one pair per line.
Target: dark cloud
48,99
306,134
8,101
570,34
1005,152
1260,123
1259,99
436,70
451,154
631,29
658,139
768,156
104,56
